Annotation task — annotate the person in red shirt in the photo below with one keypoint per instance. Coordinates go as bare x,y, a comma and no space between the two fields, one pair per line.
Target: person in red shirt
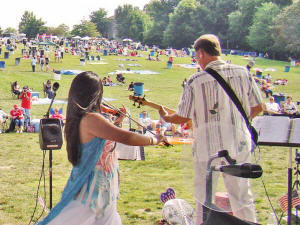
25,96
17,118
58,115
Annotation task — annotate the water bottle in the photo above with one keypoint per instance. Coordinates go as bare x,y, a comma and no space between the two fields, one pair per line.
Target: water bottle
272,219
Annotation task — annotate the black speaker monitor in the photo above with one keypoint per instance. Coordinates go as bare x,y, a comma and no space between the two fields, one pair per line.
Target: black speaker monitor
50,134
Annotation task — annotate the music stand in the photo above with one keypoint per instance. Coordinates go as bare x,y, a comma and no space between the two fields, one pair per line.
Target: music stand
280,131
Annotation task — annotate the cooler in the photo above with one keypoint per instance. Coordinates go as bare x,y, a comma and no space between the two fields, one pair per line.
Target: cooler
138,89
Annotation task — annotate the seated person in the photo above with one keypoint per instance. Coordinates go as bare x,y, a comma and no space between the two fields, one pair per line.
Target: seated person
131,86
17,118
289,107
164,126
157,57
184,130
272,108
105,82
109,80
48,89
120,78
3,116
281,81
146,121
58,115
56,71
267,88
16,88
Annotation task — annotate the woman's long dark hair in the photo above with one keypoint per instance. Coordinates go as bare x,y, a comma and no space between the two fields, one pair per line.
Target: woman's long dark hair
85,95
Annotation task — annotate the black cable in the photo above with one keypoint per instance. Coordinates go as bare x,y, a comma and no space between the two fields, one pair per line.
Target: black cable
266,192
38,188
45,198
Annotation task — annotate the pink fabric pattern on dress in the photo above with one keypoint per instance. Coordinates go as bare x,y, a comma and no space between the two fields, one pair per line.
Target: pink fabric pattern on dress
108,158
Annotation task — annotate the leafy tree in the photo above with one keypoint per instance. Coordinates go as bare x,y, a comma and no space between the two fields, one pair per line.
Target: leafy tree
259,37
219,11
86,28
1,31
10,30
62,30
240,21
282,3
181,30
286,31
131,22
30,25
159,11
101,20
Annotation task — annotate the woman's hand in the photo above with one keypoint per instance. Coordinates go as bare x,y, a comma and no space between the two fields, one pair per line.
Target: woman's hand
162,139
121,116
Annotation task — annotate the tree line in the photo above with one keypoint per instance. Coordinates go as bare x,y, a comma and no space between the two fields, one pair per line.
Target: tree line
271,26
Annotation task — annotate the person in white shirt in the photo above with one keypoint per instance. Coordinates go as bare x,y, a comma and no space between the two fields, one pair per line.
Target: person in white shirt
146,121
272,108
289,107
217,124
3,115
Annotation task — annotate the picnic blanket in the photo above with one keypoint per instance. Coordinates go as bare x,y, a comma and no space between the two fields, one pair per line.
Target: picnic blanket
47,101
187,66
70,72
180,140
143,72
97,63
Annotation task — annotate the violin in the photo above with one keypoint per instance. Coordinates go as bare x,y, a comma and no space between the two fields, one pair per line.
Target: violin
112,111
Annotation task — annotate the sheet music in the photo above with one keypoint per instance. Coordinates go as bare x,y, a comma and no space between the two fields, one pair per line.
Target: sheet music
272,130
295,136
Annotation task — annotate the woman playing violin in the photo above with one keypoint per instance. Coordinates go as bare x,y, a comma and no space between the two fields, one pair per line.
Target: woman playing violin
91,193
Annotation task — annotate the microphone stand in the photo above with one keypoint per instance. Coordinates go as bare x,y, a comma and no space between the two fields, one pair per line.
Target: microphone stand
209,171
55,87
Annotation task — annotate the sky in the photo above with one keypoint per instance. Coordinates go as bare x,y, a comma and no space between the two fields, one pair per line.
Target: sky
56,12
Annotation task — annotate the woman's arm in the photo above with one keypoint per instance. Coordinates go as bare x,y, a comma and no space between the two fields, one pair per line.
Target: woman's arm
95,125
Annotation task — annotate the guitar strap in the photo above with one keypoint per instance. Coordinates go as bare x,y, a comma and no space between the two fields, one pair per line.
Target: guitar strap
235,100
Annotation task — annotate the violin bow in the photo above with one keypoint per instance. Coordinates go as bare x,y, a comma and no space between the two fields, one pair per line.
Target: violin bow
131,119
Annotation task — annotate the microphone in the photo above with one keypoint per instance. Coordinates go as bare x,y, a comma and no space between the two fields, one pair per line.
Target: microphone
55,86
225,154
245,170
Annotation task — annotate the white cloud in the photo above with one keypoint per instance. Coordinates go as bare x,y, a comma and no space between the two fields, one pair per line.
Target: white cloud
56,12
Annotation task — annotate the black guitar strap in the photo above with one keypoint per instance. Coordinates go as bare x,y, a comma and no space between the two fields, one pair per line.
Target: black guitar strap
235,100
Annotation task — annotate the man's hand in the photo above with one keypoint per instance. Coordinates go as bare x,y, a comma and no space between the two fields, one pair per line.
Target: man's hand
162,112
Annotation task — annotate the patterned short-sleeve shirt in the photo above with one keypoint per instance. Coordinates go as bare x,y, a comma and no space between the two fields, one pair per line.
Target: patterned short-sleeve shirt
215,117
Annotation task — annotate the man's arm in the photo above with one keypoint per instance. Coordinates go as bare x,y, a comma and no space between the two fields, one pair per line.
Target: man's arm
172,118
254,111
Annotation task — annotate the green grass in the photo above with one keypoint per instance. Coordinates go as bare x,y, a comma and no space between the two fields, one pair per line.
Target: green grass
141,181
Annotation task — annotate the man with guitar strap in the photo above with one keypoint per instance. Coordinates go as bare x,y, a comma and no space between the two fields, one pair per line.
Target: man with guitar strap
211,110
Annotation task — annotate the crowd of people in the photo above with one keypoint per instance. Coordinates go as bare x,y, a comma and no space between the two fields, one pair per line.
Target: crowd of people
277,104
92,190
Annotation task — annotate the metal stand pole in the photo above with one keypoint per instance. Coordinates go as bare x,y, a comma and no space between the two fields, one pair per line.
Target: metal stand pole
290,183
50,178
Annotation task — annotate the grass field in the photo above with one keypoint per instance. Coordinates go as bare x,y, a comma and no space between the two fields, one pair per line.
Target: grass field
141,181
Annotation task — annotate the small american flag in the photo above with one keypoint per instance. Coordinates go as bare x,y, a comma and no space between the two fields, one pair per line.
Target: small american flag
283,201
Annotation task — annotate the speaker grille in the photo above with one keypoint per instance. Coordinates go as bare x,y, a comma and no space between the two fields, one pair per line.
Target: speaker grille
50,134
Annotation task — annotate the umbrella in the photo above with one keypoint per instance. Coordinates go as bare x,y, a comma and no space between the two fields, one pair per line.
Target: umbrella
86,38
127,39
76,37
